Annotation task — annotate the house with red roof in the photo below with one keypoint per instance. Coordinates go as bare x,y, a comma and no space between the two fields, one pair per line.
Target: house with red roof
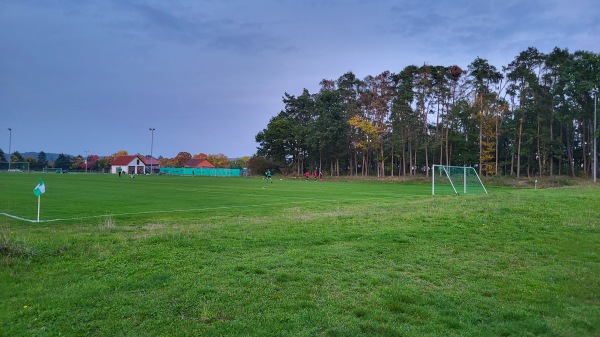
128,165
199,163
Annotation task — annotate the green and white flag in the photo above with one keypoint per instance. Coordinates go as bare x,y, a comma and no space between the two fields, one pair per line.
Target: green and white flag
39,189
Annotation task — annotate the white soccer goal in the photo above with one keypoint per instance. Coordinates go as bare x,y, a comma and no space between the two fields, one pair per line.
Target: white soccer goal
15,166
456,180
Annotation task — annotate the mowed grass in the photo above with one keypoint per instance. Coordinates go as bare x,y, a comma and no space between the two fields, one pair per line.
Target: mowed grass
80,197
183,256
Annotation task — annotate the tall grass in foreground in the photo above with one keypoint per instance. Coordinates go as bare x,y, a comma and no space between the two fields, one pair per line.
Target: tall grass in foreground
229,257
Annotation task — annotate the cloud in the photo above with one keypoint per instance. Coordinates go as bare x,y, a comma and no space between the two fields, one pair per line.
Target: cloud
490,28
168,22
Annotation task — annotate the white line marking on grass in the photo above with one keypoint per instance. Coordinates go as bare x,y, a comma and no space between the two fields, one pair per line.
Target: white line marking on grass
304,200
17,217
156,212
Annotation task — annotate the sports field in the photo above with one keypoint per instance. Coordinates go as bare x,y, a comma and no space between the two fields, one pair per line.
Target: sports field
197,256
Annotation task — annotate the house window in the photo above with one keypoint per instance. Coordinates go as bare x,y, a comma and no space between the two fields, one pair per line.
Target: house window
138,161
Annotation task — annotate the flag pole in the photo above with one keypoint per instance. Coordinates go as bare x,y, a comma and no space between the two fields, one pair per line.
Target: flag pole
38,191
39,198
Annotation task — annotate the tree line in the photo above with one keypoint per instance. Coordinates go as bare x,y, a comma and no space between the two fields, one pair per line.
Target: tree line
97,163
533,117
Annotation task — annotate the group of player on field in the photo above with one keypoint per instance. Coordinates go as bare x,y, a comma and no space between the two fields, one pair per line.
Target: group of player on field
307,175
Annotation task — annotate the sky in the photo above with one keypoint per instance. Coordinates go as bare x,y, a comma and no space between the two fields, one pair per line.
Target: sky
94,76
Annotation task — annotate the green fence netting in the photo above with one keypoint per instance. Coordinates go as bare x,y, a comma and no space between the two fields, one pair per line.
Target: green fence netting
203,171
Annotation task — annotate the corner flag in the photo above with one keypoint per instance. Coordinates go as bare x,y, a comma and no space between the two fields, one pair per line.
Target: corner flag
39,189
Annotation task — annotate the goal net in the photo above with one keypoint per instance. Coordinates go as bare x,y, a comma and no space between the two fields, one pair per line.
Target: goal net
15,166
455,180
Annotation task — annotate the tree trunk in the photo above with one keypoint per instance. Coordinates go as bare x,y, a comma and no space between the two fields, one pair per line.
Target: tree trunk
497,145
355,161
320,161
512,155
552,137
570,150
410,158
480,140
404,160
583,149
539,150
413,167
560,161
447,145
426,159
382,168
519,147
392,158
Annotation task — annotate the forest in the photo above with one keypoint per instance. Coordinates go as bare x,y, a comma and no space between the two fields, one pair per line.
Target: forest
532,117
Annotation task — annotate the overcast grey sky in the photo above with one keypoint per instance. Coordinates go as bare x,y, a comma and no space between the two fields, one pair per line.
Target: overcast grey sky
95,75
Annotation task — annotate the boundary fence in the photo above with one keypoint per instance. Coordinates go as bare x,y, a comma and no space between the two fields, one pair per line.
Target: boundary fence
203,171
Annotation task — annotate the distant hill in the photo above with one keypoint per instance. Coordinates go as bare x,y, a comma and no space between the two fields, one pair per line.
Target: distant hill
49,156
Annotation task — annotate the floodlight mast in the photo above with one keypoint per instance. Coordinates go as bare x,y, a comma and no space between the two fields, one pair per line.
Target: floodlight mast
9,144
86,159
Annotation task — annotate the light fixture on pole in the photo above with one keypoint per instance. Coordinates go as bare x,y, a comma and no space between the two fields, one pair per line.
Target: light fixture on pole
151,145
595,93
86,158
9,144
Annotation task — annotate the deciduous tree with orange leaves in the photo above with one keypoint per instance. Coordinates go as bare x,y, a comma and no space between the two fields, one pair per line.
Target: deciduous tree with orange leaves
219,160
180,159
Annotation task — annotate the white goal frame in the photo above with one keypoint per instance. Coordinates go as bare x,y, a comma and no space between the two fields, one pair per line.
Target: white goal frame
15,166
458,182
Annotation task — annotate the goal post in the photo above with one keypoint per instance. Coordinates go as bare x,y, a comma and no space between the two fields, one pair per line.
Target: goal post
455,179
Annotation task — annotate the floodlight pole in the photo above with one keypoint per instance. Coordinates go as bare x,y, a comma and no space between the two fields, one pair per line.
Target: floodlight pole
151,146
595,92
9,144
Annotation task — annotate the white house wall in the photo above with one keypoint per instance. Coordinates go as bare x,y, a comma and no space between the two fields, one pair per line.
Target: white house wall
125,168
115,169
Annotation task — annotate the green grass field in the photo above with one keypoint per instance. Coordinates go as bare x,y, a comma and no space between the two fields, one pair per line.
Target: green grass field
195,256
